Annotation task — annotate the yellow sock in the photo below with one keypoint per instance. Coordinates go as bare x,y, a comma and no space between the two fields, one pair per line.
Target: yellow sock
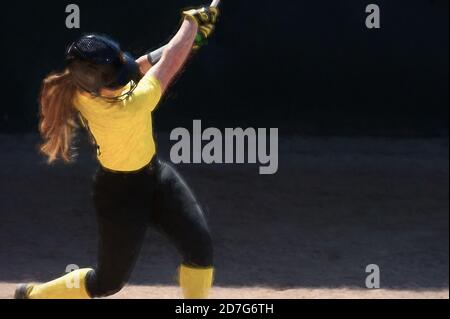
70,286
195,282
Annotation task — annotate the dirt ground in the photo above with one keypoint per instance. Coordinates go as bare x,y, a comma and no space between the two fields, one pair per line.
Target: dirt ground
335,206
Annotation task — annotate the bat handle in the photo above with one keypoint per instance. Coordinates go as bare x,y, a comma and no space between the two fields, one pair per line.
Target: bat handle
215,3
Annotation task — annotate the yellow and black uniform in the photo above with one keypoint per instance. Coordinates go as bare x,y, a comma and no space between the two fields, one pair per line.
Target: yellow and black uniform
123,130
134,189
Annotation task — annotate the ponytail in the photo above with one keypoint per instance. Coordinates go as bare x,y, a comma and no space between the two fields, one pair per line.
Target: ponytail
57,116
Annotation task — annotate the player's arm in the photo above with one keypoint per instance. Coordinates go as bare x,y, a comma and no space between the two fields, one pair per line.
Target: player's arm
144,64
175,53
198,24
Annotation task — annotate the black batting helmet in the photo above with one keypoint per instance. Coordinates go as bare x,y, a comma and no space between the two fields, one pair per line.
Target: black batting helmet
97,62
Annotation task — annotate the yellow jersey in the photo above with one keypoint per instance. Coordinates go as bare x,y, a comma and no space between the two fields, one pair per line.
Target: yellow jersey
123,129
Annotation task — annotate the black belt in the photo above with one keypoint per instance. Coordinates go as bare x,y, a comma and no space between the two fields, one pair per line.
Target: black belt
150,166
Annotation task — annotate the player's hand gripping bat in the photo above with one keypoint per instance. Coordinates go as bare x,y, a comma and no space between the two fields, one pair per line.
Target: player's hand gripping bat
204,32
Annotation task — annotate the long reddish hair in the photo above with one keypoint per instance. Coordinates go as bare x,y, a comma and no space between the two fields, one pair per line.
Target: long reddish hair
57,116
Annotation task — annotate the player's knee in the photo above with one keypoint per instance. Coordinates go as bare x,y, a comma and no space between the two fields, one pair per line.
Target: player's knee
109,288
99,286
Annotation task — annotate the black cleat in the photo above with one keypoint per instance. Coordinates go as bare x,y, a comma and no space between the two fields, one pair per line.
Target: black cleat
22,291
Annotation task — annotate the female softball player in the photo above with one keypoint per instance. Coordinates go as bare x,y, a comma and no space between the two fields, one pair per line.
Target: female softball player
114,97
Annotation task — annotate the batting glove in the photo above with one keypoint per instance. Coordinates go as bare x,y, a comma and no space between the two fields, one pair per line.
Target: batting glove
206,18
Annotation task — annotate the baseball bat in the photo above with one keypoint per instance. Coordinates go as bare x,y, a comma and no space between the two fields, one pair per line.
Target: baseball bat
156,55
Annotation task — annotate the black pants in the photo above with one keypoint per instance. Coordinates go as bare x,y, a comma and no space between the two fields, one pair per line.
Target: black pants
126,205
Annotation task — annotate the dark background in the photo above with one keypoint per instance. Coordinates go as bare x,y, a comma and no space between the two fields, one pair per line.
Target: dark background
308,67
